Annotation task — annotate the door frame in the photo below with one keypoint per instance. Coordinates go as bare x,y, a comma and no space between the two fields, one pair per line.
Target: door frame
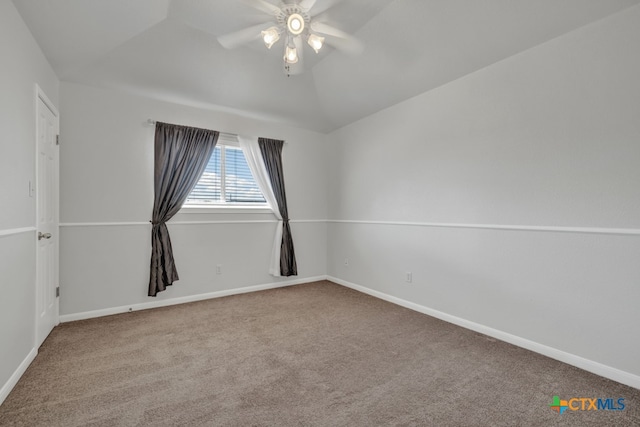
40,96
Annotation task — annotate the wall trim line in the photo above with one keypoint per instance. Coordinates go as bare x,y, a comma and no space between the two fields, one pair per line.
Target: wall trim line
248,221
17,374
597,368
533,228
12,231
587,230
102,224
185,299
147,223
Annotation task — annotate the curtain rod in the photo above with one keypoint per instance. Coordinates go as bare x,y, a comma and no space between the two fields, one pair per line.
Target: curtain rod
223,134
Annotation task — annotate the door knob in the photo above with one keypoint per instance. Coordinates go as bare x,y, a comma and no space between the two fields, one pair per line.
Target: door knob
44,236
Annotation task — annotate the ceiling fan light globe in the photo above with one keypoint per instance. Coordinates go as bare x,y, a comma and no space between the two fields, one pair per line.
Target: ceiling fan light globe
315,42
290,55
295,23
270,36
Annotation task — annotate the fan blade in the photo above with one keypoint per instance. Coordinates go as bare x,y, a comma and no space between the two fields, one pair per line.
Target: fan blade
323,8
307,4
263,5
298,67
235,39
338,38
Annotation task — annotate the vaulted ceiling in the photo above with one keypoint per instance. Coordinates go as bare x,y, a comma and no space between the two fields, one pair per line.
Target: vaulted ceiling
168,49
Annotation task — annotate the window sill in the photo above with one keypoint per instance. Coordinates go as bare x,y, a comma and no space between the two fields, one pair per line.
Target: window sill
226,209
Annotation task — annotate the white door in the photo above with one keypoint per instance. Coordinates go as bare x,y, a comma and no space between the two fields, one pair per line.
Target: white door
47,165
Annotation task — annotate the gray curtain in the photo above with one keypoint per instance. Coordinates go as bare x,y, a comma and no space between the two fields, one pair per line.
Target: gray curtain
271,150
181,155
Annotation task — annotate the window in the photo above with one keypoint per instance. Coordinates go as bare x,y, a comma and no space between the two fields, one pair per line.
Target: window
227,180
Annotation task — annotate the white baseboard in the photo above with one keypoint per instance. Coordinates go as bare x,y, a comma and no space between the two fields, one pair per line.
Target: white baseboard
17,374
182,300
614,374
597,368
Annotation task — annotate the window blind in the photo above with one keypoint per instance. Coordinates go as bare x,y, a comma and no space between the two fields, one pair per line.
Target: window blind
226,179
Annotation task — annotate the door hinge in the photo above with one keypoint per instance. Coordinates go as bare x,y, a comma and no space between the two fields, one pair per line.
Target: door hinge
57,139
57,291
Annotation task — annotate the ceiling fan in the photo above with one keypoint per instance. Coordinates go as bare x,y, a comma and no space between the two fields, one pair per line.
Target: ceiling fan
295,23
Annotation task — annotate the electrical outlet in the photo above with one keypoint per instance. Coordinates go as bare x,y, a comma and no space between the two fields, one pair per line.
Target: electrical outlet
218,269
346,262
408,277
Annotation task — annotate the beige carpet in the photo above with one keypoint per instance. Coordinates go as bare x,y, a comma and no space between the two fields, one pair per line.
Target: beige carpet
310,355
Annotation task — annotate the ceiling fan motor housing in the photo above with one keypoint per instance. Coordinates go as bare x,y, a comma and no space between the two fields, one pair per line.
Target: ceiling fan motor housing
286,11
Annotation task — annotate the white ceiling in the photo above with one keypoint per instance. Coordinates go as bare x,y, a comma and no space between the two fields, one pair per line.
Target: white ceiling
167,49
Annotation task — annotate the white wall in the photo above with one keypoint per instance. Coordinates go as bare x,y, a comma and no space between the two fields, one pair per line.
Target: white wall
107,177
549,138
22,66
